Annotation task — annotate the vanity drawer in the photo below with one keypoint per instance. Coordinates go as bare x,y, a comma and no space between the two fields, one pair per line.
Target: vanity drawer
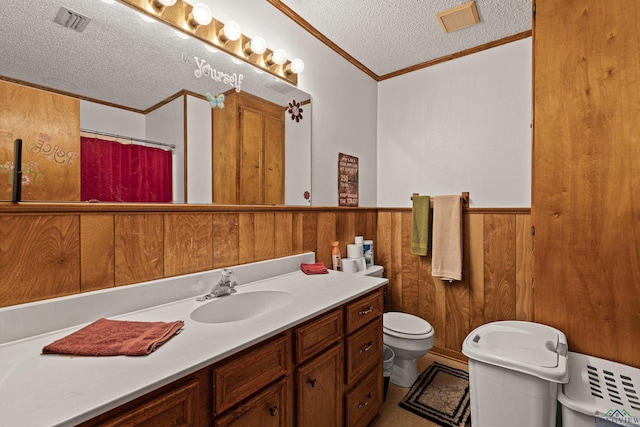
318,334
364,350
363,310
270,408
363,402
251,371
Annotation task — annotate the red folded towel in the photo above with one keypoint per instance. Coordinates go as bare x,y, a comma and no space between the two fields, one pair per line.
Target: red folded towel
317,268
106,337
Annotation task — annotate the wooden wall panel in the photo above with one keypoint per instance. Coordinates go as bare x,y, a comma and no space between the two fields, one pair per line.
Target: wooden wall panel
524,285
297,233
188,244
39,257
326,236
226,239
499,268
139,248
345,230
495,257
283,223
586,175
310,233
97,242
410,294
247,238
457,300
476,269
264,232
494,249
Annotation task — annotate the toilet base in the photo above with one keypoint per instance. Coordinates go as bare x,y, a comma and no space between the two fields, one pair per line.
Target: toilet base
405,372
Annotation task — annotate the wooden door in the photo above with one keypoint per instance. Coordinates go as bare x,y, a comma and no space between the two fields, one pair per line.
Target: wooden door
319,390
274,160
251,182
586,169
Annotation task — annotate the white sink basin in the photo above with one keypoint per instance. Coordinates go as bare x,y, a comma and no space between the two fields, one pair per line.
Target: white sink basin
241,306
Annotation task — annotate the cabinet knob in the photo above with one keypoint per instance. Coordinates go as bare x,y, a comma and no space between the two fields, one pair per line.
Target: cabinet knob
257,166
363,404
365,312
367,348
313,382
273,410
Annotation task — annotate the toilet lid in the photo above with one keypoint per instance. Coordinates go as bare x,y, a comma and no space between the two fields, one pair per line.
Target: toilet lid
405,323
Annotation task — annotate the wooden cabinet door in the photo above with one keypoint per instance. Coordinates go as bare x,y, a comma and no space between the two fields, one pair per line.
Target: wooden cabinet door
319,390
274,160
251,183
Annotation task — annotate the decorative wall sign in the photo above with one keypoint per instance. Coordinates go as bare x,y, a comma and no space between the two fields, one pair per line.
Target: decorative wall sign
205,69
347,180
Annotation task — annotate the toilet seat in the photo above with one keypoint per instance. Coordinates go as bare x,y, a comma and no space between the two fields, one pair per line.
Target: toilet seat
405,325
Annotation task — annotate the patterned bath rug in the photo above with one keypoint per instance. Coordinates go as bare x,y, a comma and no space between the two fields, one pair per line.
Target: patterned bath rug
440,394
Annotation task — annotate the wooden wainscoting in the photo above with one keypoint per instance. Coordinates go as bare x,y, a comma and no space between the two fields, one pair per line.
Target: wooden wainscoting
63,250
496,278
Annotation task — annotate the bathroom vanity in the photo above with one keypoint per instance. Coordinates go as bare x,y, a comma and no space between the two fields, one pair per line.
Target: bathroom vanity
317,356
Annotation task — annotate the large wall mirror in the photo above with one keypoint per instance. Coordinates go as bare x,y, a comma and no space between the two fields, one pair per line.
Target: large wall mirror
129,79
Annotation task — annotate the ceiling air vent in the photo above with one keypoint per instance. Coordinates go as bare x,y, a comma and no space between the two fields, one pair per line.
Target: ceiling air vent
70,19
458,17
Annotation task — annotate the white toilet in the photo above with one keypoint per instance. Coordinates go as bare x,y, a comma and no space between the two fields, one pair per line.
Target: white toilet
410,338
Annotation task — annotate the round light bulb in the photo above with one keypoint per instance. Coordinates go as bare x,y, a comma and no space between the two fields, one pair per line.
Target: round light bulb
258,45
232,31
297,65
279,56
201,14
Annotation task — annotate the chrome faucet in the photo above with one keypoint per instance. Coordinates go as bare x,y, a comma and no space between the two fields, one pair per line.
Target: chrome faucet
225,286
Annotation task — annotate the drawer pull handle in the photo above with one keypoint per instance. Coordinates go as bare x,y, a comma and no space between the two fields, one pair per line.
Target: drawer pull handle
273,410
367,348
363,404
365,312
313,383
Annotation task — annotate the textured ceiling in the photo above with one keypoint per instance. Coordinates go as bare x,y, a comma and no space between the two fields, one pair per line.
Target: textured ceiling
118,59
390,35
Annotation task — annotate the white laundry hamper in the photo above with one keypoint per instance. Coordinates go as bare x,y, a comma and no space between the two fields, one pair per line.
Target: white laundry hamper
600,393
514,371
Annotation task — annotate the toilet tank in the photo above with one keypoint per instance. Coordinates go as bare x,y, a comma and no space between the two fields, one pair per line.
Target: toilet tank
373,271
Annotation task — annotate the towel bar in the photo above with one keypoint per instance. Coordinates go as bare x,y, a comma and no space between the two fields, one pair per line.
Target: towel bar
464,197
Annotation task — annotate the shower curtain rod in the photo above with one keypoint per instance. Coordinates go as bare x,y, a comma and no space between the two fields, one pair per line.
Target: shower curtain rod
113,135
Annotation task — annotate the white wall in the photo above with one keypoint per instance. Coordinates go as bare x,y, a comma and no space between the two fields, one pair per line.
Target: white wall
199,156
165,125
297,154
463,125
344,98
102,118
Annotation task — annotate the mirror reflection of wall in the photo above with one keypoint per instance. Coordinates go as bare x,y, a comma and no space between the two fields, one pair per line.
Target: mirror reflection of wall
121,95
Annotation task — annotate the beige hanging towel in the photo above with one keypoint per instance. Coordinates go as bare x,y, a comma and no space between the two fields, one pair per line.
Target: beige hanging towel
446,261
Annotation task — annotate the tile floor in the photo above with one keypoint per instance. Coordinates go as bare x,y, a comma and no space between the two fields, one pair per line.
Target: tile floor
393,415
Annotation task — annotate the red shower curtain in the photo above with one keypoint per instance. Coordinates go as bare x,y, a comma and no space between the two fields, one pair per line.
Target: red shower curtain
114,172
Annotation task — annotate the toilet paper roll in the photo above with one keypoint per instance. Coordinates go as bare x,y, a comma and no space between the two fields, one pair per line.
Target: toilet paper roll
355,251
362,264
350,265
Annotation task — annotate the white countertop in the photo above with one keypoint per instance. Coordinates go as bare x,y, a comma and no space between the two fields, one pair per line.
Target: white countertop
55,390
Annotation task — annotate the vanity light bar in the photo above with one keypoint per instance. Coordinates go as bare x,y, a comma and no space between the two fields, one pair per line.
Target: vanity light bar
180,16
